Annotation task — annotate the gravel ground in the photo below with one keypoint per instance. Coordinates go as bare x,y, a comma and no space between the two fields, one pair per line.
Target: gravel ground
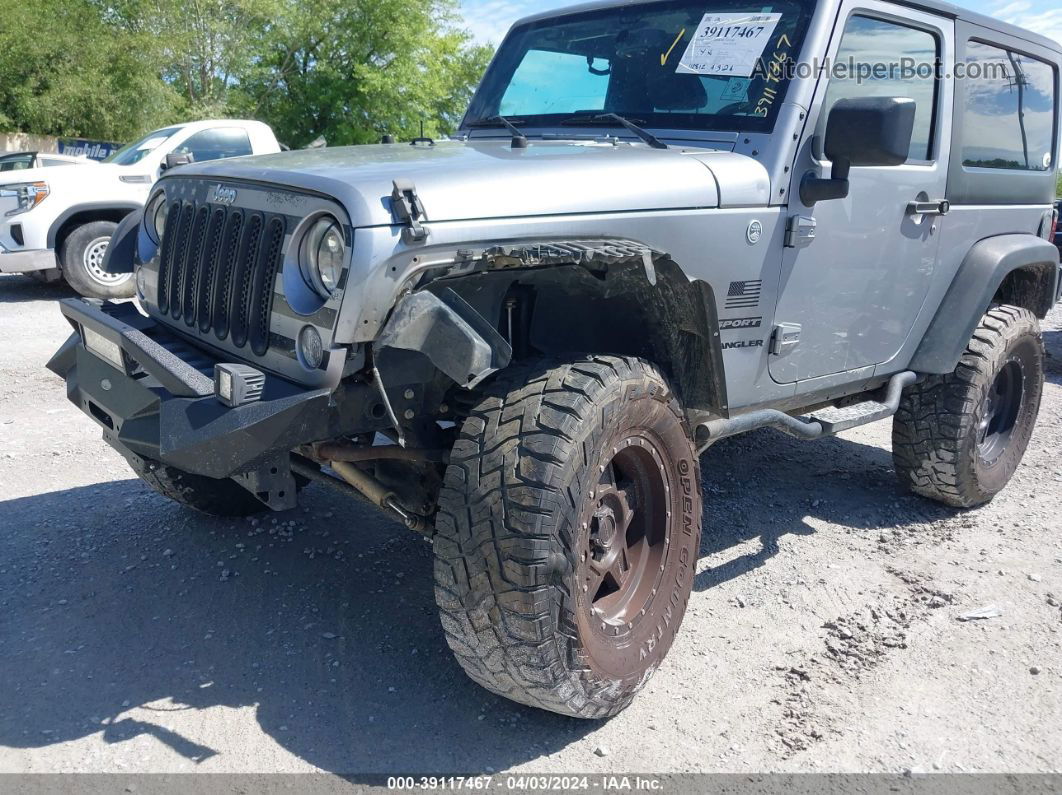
823,634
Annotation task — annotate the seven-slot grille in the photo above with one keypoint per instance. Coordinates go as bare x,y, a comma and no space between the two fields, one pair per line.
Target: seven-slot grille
218,270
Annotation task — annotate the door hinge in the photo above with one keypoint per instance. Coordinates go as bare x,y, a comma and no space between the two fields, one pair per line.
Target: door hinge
784,338
409,209
800,231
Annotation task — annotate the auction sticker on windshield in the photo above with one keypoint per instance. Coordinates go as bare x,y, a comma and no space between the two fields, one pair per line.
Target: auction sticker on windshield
728,44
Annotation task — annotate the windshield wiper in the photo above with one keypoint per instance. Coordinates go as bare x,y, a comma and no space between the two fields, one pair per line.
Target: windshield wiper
519,139
614,119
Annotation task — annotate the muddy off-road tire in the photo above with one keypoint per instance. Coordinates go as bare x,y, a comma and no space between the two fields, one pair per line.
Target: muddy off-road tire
959,438
568,533
223,498
81,256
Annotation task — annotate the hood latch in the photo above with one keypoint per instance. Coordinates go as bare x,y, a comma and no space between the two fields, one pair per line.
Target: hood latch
407,206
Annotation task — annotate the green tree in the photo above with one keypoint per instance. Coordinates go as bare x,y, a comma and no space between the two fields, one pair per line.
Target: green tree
352,70
65,71
349,70
205,47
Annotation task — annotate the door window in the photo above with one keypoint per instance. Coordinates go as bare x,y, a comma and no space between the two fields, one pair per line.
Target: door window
885,59
16,162
216,144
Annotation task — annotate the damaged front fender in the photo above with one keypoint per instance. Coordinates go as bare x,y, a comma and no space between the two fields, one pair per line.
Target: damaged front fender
445,328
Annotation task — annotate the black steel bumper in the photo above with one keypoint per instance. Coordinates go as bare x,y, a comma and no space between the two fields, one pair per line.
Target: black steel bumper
161,406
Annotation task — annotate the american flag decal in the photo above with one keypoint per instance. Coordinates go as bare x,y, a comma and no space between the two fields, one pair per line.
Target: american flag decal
743,295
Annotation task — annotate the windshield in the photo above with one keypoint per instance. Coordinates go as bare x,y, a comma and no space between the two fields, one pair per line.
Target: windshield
135,152
716,65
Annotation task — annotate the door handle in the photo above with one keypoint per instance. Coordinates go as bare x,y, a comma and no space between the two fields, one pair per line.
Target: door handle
942,207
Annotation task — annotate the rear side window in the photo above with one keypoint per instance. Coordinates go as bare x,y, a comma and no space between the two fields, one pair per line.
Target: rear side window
1009,117
216,144
16,163
49,161
885,59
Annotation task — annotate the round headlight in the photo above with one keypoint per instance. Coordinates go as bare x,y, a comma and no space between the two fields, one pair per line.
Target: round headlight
322,256
159,210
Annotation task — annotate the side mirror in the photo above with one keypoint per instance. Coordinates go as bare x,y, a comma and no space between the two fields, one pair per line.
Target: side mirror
172,161
867,131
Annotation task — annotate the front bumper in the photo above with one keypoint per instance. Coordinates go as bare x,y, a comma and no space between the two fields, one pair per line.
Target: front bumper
161,406
26,261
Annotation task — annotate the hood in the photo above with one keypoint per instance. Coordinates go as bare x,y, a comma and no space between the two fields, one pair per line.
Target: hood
461,181
55,173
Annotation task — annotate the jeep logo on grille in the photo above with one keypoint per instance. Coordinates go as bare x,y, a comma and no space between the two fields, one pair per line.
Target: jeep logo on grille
223,195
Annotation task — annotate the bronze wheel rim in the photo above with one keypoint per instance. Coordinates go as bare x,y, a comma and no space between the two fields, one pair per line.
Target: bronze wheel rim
626,521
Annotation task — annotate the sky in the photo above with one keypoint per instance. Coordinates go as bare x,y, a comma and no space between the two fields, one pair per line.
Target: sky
489,19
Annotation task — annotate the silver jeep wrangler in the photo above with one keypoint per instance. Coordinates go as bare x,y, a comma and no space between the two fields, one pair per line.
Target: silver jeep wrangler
661,224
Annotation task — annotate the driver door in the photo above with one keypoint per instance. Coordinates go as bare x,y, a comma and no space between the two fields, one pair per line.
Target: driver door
853,294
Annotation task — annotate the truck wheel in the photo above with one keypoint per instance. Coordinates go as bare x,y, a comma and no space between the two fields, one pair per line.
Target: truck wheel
81,256
959,438
223,498
568,532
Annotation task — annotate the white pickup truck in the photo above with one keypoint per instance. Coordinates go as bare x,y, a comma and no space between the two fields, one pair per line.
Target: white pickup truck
57,222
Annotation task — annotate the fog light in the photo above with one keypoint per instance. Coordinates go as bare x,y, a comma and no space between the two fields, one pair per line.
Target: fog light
311,349
109,351
225,385
237,385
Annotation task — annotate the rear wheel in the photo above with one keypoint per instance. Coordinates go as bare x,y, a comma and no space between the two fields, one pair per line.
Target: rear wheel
959,438
568,533
82,256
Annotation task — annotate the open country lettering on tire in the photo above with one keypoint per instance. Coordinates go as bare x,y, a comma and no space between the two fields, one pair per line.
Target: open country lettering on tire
518,342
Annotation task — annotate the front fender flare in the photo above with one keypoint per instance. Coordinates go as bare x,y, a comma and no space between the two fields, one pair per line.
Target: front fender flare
976,283
89,207
121,253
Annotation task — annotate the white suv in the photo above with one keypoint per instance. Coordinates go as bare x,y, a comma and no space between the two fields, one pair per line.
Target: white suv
58,221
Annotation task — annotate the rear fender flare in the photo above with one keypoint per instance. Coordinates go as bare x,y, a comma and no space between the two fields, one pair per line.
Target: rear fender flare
975,285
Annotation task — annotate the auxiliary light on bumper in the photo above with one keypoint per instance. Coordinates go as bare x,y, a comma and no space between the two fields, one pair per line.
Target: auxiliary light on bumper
164,406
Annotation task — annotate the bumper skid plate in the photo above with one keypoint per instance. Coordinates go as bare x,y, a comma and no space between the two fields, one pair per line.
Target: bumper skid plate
161,405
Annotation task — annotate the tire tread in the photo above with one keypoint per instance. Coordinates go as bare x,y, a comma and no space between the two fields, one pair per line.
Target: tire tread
937,415
500,549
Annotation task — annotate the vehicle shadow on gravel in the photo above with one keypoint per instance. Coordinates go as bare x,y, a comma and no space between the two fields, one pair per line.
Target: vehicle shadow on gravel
112,599
118,609
766,485
15,289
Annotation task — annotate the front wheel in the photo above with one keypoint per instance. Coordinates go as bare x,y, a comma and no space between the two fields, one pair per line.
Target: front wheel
959,438
568,533
82,256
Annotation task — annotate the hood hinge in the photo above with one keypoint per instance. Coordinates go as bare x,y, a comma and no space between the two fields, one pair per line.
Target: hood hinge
407,206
